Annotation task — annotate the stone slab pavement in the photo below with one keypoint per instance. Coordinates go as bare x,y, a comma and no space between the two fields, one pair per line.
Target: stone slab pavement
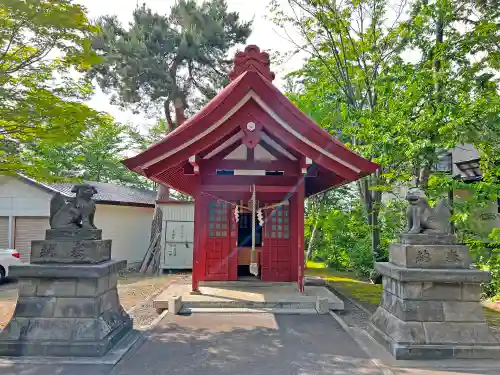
250,344
233,344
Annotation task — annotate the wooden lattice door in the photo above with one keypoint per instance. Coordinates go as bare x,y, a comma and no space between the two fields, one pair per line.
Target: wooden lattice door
217,241
276,252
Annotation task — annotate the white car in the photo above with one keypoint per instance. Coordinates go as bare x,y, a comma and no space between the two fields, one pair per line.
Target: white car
8,257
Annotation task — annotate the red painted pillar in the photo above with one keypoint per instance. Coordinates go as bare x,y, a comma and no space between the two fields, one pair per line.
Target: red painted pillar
198,206
300,233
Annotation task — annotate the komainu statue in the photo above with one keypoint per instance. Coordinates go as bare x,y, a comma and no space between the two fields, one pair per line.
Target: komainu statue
77,212
424,219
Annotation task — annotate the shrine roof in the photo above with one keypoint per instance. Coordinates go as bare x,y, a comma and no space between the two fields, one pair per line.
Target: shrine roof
250,96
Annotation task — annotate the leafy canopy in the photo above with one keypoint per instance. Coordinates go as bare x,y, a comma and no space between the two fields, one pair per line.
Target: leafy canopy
40,43
95,156
359,84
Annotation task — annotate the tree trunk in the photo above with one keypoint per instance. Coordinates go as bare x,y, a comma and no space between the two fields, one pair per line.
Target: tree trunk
163,191
438,42
311,241
168,117
376,200
372,204
179,111
368,199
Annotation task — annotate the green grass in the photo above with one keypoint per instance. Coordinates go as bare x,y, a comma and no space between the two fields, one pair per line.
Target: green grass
348,284
492,317
366,293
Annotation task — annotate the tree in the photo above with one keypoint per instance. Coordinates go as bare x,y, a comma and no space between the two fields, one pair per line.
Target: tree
349,48
400,113
40,43
168,61
175,61
95,156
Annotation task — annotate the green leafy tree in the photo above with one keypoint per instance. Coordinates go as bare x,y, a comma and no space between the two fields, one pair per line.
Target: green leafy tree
173,62
95,156
40,43
400,113
350,48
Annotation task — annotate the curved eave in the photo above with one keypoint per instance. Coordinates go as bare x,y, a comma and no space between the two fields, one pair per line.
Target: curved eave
218,111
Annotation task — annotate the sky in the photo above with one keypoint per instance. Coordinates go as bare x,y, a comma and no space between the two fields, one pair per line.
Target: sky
264,34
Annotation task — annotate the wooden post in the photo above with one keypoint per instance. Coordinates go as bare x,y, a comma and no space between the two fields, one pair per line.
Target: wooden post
198,207
254,268
300,232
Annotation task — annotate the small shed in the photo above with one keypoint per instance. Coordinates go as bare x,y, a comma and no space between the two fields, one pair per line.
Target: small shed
177,235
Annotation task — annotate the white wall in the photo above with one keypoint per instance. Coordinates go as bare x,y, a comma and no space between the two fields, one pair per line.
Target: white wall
128,227
18,198
178,211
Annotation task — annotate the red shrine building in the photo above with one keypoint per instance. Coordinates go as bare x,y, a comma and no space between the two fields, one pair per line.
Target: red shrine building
249,158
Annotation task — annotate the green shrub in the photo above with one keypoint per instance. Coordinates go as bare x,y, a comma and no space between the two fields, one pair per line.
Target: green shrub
344,242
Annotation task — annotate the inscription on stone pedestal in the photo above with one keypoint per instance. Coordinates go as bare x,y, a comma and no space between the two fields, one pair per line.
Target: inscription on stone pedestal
78,251
423,256
48,250
70,251
452,256
429,256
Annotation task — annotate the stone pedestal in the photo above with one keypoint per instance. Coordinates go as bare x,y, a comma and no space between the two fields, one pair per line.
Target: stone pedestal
68,303
430,305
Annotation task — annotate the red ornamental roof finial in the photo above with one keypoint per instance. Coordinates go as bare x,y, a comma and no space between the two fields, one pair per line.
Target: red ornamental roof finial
251,60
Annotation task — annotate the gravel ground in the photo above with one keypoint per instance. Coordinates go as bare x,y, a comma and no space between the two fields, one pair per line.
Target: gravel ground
352,314
136,293
144,312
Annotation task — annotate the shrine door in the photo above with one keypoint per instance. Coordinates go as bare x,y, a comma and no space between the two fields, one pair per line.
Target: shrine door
219,262
276,248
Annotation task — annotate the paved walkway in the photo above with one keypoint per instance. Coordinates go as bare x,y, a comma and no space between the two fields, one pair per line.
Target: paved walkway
252,344
212,344
233,344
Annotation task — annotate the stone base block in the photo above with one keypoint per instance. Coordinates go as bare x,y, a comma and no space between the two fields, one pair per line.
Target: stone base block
174,304
433,352
428,239
66,313
430,256
70,251
432,310
73,234
322,305
435,275
431,332
432,314
432,291
79,340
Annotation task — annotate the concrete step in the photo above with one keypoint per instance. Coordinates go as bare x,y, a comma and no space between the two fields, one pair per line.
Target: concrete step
279,311
241,284
249,305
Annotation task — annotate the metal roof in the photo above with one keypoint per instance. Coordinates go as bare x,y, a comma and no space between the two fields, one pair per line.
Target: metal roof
107,193
470,170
